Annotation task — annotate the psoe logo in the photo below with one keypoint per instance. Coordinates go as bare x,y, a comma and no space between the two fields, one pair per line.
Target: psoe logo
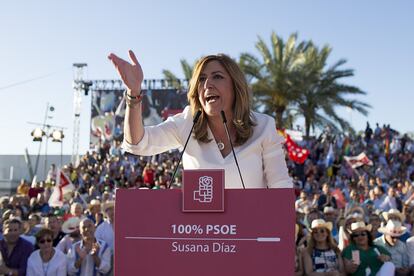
204,194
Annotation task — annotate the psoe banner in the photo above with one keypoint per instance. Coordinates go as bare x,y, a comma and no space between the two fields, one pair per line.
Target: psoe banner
253,236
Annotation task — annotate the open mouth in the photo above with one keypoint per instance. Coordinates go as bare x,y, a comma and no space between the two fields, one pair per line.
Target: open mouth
212,98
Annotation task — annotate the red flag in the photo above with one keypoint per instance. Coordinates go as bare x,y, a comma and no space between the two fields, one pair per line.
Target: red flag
296,153
340,199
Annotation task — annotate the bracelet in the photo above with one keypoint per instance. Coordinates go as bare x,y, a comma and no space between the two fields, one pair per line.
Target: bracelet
133,101
132,97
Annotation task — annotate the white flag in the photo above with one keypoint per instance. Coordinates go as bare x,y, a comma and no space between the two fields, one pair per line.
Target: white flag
359,160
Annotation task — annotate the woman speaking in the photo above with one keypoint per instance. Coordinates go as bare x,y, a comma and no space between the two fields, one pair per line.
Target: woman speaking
217,86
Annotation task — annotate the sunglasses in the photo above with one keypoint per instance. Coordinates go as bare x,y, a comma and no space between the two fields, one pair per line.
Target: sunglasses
320,231
356,235
45,240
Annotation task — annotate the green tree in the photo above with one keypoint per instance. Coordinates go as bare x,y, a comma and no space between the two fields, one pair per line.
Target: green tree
320,91
271,76
172,78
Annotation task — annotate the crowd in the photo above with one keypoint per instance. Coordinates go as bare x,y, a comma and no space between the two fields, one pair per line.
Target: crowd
355,220
349,221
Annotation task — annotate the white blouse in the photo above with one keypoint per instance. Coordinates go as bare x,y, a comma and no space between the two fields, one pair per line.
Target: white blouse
261,158
55,267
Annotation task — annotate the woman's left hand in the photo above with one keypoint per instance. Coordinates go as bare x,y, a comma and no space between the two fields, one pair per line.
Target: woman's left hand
333,273
384,258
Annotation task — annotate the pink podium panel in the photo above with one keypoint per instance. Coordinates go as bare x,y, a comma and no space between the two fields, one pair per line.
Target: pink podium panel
253,236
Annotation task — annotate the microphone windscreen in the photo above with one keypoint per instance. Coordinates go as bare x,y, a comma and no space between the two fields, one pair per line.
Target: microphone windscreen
223,116
197,116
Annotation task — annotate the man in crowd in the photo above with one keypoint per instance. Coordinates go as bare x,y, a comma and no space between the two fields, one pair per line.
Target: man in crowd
302,203
398,249
14,250
326,198
89,256
379,197
94,211
105,231
392,201
53,224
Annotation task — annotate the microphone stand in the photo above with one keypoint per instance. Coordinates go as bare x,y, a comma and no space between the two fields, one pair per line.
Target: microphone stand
223,116
185,145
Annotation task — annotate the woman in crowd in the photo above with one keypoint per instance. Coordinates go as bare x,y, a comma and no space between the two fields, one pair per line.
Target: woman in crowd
345,230
362,257
322,256
76,210
46,260
217,87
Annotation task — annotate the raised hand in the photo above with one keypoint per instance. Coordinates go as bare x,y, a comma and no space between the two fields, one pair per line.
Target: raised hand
130,73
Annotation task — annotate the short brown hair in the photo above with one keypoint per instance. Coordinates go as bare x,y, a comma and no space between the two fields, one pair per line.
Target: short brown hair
43,233
11,221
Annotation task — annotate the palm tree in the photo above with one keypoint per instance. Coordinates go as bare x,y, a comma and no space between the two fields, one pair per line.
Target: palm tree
320,90
271,76
171,77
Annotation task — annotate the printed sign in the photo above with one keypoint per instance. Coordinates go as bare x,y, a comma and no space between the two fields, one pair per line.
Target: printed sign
203,190
253,236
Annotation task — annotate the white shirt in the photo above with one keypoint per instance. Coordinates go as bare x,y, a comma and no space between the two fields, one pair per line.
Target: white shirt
379,202
65,244
88,265
388,203
55,267
105,232
410,250
261,158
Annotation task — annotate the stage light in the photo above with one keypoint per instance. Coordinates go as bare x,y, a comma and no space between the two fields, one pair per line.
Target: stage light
37,134
57,136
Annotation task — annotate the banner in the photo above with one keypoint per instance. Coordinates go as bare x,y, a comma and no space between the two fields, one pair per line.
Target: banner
108,111
253,236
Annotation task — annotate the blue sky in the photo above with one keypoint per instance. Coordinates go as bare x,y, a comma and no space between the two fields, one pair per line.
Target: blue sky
45,37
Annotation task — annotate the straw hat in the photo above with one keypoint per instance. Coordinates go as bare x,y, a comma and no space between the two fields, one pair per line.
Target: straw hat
93,203
328,210
360,226
357,210
320,223
354,216
4,199
70,225
393,228
394,212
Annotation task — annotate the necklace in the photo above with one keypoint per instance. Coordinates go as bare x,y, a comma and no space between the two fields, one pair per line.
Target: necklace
220,145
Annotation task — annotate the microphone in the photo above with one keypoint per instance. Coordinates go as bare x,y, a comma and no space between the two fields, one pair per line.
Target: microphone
195,119
223,116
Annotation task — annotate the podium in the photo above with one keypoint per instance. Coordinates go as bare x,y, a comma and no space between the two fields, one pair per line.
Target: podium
254,235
